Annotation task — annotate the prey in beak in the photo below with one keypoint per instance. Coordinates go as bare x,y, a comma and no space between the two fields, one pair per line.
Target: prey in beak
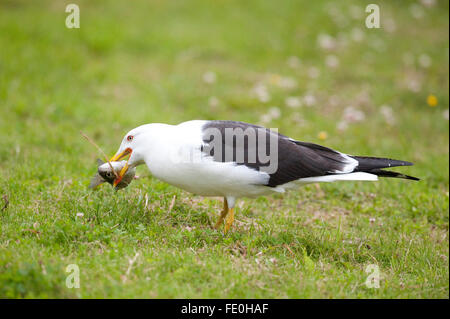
124,170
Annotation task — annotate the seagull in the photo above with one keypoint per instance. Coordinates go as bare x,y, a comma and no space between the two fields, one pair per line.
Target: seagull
232,160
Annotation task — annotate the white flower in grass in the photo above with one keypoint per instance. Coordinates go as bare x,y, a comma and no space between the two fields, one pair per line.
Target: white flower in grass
326,41
287,83
424,60
274,112
388,114
265,119
414,85
428,3
342,125
260,90
309,100
80,215
293,102
416,11
353,115
209,77
445,115
332,61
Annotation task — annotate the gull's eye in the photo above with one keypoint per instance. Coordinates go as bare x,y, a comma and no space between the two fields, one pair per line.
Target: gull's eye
129,138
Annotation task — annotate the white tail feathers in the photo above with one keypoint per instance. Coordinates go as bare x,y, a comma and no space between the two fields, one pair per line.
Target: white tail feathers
358,176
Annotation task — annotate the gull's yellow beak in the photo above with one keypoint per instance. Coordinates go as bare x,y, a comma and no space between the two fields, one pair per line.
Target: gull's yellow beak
124,170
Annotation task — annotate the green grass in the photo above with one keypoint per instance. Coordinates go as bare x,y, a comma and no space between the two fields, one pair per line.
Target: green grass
137,62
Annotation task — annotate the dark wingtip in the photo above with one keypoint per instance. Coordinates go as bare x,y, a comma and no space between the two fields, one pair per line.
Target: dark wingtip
405,163
369,163
383,173
411,177
394,163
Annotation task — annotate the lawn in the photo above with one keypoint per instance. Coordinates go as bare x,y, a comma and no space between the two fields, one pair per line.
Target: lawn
311,69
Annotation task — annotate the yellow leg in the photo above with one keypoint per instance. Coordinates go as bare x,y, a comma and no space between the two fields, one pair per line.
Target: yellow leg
223,214
230,220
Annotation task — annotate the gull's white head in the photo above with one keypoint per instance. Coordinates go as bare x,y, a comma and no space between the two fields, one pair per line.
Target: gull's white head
134,144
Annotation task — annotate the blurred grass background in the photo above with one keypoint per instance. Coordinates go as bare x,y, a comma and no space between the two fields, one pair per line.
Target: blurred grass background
309,68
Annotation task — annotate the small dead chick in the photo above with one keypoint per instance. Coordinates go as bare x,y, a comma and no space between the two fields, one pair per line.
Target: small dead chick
106,174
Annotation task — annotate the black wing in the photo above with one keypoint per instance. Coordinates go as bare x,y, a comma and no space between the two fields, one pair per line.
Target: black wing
294,159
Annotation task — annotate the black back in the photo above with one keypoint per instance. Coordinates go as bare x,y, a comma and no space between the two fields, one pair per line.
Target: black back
295,159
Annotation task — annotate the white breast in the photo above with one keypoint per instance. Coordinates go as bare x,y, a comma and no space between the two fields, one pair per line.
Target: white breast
176,158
